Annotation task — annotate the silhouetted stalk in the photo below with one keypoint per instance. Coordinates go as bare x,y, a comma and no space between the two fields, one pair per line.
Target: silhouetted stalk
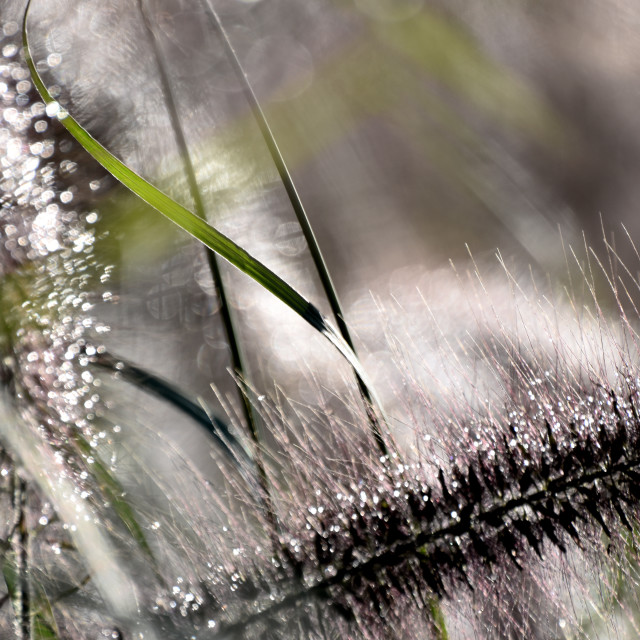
374,413
20,548
238,365
215,427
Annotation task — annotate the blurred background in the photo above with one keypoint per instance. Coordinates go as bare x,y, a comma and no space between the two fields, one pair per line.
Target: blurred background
416,132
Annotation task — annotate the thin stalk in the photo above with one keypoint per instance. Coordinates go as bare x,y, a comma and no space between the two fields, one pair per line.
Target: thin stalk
377,423
20,543
238,365
149,382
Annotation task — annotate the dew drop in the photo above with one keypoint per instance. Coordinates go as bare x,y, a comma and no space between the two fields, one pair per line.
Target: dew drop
54,59
9,50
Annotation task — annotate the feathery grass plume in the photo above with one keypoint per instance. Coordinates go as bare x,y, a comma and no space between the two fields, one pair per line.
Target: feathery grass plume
492,496
374,541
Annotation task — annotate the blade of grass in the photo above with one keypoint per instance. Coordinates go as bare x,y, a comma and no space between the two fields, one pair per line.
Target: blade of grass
330,292
217,428
197,227
238,365
42,630
44,621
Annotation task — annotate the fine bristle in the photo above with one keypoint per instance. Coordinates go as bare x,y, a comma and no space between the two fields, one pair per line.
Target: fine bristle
404,535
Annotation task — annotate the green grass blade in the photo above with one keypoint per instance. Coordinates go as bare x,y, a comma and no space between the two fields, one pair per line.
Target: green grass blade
178,214
42,630
181,216
202,231
43,625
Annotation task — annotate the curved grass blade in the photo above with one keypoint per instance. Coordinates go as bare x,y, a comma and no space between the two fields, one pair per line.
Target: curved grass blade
195,226
43,625
149,382
42,630
301,215
178,214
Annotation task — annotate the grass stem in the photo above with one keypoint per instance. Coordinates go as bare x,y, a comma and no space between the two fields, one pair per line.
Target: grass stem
237,361
303,220
20,543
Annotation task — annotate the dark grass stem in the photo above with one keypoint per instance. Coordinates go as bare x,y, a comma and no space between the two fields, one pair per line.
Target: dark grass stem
237,361
215,427
374,413
253,473
20,547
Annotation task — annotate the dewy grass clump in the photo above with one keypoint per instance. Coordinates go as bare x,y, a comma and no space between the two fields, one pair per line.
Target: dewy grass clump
368,545
320,533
